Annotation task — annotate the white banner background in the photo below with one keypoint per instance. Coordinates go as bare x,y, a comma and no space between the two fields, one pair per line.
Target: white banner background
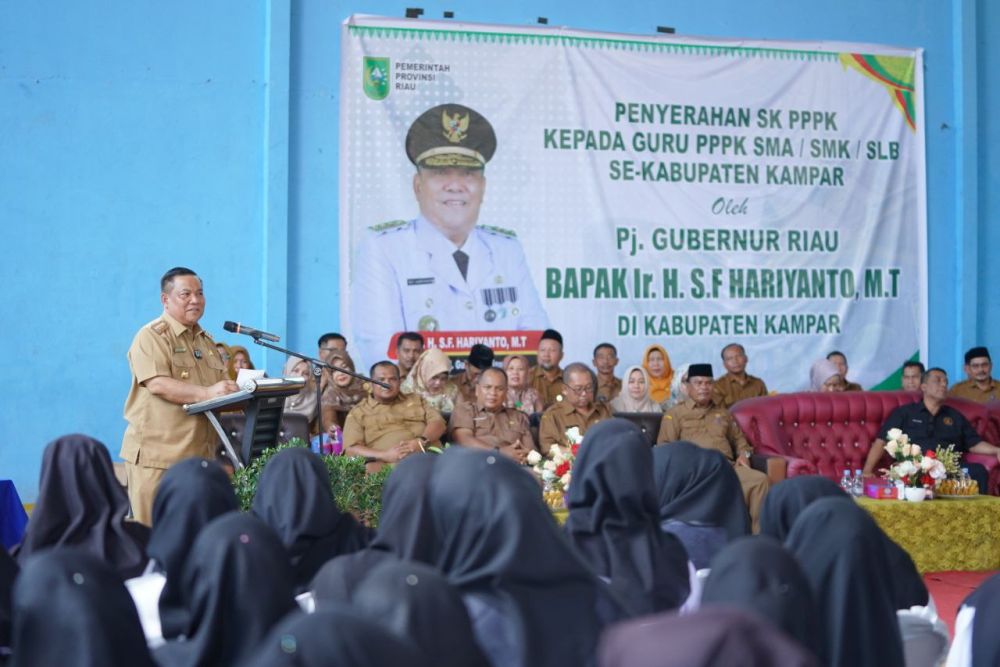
567,205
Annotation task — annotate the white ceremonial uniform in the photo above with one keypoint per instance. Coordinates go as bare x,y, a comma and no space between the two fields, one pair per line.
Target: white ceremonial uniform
405,279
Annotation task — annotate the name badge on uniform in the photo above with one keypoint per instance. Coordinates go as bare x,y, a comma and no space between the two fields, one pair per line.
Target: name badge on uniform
497,296
420,281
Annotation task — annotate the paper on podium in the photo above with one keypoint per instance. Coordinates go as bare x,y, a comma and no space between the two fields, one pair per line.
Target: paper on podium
246,377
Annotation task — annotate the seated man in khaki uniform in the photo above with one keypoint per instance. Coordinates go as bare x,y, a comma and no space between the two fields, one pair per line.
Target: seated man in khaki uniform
980,387
708,425
480,358
579,408
389,426
547,378
736,384
486,424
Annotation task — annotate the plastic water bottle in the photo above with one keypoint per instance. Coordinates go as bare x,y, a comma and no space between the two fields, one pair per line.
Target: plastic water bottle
858,488
846,484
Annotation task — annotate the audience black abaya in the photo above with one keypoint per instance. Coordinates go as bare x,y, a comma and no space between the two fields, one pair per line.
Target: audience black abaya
985,638
841,551
614,519
8,573
711,637
191,494
294,498
700,498
334,636
416,602
759,575
81,504
786,501
405,531
71,609
237,584
501,548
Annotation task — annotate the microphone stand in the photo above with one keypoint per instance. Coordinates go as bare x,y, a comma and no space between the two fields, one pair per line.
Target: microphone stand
317,366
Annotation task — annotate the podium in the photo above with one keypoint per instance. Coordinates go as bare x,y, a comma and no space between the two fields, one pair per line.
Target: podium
262,402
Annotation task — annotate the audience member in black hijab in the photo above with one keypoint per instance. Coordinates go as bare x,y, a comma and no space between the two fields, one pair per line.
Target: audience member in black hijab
294,498
786,501
191,494
982,649
405,531
758,575
614,520
71,609
8,573
80,503
335,636
700,497
416,603
237,584
532,601
712,637
842,552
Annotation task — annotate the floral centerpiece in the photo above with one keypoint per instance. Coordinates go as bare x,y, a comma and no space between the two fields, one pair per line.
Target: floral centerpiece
556,471
913,468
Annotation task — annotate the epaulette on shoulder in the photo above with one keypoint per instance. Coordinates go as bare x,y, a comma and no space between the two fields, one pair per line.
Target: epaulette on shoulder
499,231
159,327
383,227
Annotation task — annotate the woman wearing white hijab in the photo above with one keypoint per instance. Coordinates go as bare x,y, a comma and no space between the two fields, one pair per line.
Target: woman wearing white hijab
634,396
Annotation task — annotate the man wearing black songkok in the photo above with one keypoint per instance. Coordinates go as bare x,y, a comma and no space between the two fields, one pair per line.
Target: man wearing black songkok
480,358
708,425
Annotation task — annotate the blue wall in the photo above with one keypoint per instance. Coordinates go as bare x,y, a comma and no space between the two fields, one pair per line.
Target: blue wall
136,135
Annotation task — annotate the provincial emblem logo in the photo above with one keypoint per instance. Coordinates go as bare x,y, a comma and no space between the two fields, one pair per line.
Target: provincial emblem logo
375,78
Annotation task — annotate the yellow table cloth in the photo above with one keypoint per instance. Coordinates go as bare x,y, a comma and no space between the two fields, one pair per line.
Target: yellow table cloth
943,534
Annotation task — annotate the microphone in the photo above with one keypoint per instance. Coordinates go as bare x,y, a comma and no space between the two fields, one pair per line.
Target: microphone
236,327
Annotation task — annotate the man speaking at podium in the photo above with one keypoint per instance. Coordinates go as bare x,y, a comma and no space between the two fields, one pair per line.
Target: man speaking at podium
173,361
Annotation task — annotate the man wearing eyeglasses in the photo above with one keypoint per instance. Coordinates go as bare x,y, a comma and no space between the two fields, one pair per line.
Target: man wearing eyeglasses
980,387
578,408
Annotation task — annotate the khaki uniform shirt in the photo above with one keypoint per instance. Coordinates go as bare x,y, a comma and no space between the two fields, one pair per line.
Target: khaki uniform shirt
506,424
711,427
608,389
550,391
969,391
159,432
383,425
561,416
466,389
728,389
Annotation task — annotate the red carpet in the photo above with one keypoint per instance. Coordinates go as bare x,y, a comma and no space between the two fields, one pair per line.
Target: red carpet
949,589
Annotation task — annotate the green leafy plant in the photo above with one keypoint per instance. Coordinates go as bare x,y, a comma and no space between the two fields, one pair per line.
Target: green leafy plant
354,490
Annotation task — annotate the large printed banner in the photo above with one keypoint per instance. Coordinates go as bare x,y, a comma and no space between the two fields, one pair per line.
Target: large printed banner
635,190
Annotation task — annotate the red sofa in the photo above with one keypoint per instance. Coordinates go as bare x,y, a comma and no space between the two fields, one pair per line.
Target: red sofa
827,433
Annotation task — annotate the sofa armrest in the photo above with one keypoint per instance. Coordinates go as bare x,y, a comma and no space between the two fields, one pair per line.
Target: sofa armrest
988,461
775,467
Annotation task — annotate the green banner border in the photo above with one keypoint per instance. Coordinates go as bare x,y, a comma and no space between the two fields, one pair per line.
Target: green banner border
620,44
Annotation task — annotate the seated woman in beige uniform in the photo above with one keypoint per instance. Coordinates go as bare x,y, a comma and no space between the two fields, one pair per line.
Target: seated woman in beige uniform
388,426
